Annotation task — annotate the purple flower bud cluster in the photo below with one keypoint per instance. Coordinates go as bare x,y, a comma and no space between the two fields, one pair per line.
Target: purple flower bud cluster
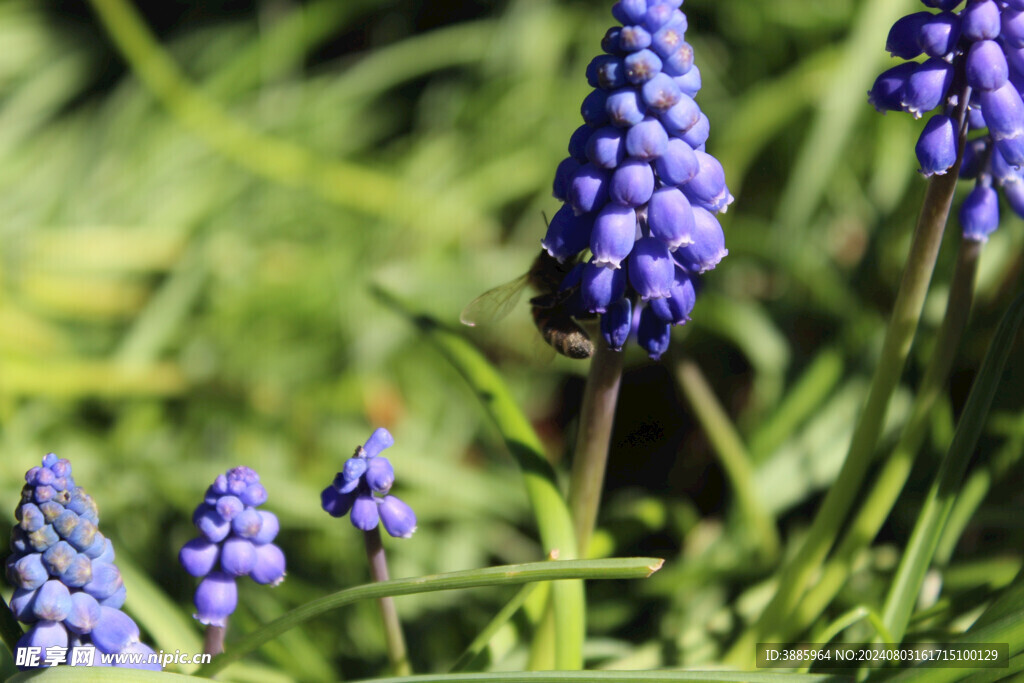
364,474
236,540
66,585
980,50
638,188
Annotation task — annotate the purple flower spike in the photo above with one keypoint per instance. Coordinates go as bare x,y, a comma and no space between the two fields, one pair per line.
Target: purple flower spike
601,286
367,511
398,518
651,269
936,148
979,214
216,599
648,184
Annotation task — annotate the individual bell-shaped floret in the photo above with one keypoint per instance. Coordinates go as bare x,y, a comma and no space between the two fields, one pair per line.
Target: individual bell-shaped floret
216,599
979,214
980,20
986,66
651,269
926,87
670,218
632,183
398,518
567,235
1003,110
379,474
887,92
613,235
199,556
616,323
269,568
600,286
588,190
708,247
903,36
625,108
364,512
1011,29
646,140
937,35
653,334
606,147
936,148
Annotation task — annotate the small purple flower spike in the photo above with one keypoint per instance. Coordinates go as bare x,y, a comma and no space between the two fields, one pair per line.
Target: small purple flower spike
66,585
234,538
354,490
642,175
980,48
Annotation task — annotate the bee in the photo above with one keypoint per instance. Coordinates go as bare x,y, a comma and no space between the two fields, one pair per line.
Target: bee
550,314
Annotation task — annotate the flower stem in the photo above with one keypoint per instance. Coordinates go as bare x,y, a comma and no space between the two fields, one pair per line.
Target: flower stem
595,431
899,335
924,540
392,626
213,640
733,456
876,507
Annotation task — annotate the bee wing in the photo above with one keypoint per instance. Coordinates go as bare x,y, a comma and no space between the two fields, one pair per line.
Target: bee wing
541,351
494,304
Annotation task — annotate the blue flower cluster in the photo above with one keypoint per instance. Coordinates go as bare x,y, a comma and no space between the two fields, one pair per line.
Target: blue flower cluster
237,540
981,47
364,474
67,586
639,190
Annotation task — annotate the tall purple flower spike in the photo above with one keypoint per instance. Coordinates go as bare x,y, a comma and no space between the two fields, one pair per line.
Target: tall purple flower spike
981,46
362,488
638,171
236,539
66,585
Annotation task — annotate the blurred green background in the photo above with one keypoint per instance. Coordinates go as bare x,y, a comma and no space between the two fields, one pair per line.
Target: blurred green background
187,249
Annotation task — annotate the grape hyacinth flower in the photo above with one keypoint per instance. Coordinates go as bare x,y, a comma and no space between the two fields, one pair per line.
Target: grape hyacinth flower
638,180
978,50
355,490
66,585
236,539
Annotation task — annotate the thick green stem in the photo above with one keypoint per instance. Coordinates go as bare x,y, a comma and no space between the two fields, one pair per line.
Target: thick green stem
732,454
595,432
876,507
397,654
899,336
